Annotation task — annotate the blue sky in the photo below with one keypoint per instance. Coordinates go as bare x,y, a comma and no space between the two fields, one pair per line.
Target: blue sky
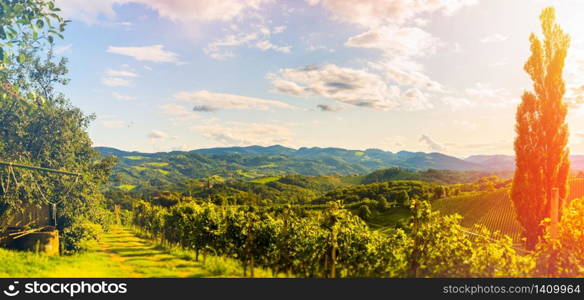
428,75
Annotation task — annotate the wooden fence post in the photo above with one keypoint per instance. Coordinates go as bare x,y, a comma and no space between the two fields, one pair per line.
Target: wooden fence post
554,217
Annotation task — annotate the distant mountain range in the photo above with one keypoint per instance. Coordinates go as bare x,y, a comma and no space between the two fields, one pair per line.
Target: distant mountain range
257,161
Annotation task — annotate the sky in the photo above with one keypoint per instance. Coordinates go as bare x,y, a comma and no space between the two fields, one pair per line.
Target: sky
427,75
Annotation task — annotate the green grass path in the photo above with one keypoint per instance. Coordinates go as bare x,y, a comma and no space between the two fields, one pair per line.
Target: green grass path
120,254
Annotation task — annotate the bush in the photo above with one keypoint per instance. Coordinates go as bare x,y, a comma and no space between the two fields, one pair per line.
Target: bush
81,236
402,198
382,203
364,212
566,250
126,217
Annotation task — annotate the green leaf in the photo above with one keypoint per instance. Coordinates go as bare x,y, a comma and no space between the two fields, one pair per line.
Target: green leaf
50,39
21,58
11,33
1,53
40,24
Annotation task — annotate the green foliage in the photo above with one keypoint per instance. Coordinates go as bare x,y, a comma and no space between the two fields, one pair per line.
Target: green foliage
394,191
430,175
364,212
442,248
382,203
81,236
24,26
41,127
565,252
402,198
335,243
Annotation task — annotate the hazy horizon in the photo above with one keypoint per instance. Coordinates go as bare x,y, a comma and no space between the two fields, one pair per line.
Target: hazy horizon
297,148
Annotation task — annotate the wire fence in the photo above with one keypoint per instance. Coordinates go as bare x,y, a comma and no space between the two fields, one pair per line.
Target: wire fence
576,188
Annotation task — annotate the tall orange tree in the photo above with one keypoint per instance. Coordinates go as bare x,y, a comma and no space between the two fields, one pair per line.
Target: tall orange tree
542,154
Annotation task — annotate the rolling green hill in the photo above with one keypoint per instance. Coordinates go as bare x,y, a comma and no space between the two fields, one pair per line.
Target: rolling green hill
249,163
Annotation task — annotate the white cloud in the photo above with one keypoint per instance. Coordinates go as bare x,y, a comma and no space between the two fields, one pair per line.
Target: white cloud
328,108
223,55
87,11
320,48
125,24
279,29
430,143
179,113
120,73
157,135
154,53
288,87
373,13
406,72
229,101
457,103
119,96
202,10
348,86
494,38
245,134
480,94
257,37
174,10
574,95
574,75
414,99
267,45
393,27
232,40
115,81
396,41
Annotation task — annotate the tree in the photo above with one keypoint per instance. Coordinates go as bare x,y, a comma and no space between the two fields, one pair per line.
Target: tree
402,198
567,248
364,212
382,203
439,192
542,155
39,126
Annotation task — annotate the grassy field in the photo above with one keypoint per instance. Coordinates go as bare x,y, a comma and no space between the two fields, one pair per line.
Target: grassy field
121,253
126,187
135,157
157,164
266,179
386,220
